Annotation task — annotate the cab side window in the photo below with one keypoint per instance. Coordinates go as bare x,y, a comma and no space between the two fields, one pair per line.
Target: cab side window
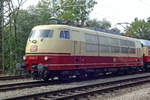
64,34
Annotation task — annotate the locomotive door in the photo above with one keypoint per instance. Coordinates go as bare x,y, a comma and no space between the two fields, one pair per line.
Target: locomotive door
77,48
77,54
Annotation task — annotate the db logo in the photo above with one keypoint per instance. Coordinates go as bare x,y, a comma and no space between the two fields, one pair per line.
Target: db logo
33,48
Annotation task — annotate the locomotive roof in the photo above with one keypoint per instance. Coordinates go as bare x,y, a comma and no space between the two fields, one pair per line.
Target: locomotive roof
145,42
58,26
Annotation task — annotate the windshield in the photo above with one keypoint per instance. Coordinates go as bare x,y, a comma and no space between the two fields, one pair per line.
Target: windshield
40,34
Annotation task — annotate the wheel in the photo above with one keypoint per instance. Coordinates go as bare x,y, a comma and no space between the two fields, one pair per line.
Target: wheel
64,78
35,75
45,75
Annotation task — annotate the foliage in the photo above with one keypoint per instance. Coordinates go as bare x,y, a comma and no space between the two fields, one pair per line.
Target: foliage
140,29
40,14
115,29
23,25
9,39
96,23
76,11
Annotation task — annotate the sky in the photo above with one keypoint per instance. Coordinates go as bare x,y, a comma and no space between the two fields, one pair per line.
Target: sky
121,11
116,11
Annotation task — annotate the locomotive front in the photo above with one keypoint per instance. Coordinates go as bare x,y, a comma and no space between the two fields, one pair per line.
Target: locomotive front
43,49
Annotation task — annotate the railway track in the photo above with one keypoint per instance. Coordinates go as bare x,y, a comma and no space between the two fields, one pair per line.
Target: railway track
82,91
22,85
12,77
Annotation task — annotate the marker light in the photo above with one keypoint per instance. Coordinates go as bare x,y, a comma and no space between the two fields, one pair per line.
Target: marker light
45,58
24,57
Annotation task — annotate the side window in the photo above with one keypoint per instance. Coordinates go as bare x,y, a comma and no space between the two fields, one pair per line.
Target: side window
91,47
104,49
104,40
124,49
91,38
132,50
67,34
64,34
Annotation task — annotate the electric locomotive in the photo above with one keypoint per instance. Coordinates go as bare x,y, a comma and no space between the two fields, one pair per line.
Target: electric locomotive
64,51
146,54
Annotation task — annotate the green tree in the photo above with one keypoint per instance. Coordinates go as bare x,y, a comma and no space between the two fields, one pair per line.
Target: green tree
10,39
41,12
20,29
106,24
93,23
139,29
99,23
115,29
77,11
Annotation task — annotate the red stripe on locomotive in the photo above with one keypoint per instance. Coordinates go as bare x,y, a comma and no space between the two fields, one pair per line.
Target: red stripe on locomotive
62,62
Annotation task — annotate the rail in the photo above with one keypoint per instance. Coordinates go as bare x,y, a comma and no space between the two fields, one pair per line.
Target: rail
80,91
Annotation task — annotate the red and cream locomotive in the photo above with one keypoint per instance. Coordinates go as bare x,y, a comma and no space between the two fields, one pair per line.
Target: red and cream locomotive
64,51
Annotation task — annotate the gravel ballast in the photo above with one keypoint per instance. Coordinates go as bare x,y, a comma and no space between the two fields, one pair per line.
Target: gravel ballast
138,93
14,93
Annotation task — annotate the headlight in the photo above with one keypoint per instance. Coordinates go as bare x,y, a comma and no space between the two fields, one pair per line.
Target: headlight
45,58
24,57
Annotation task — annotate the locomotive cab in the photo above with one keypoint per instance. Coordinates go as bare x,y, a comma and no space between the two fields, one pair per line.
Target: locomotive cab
44,45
